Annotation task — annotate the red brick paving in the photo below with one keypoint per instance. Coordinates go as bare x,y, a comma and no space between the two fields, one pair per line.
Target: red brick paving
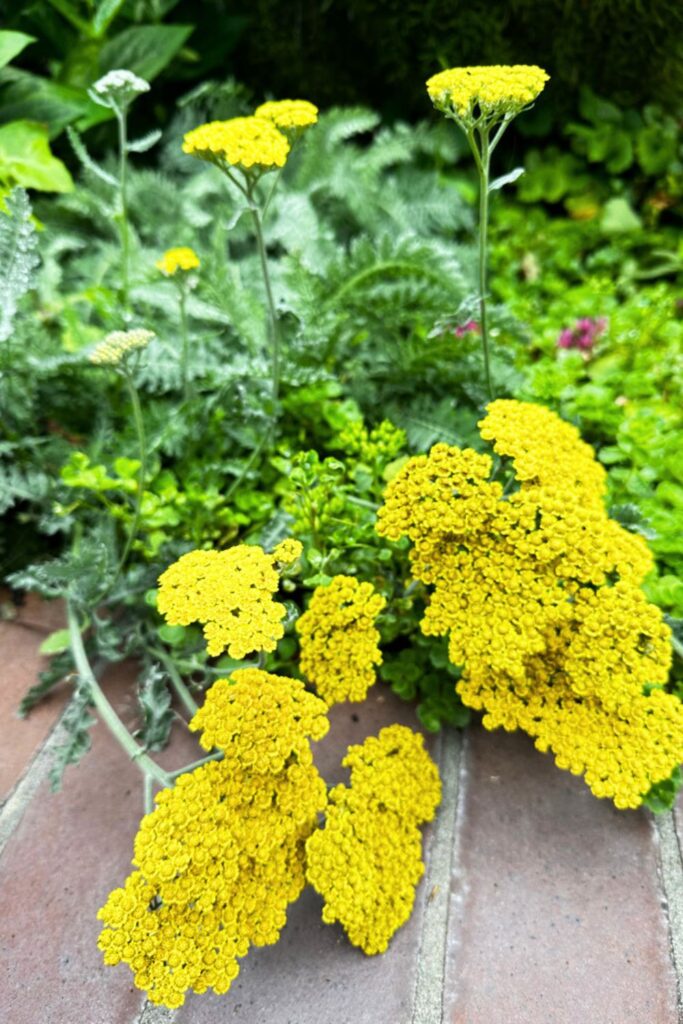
557,916
556,912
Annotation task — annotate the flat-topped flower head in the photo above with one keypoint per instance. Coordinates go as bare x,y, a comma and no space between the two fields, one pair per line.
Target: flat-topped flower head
118,89
247,143
230,593
290,116
182,259
492,91
118,344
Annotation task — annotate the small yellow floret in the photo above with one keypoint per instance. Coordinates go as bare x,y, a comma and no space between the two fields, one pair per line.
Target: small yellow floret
181,258
250,143
287,551
496,90
288,114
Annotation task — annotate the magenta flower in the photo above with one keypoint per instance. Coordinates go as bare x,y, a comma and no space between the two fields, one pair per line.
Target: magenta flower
467,328
583,335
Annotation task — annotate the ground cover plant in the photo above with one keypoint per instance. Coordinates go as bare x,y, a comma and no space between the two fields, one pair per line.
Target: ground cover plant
313,447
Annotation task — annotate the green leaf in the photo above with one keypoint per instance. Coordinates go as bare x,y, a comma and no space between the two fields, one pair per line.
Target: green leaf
506,179
29,97
11,45
174,636
26,160
144,49
155,702
18,262
56,642
144,143
77,722
618,217
89,164
105,14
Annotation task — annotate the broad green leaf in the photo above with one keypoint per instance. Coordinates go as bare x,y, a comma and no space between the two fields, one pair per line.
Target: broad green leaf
29,97
26,160
144,49
11,45
56,642
105,14
618,216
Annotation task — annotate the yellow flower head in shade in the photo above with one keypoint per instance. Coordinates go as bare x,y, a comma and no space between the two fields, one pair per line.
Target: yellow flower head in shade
181,258
367,860
230,593
249,143
222,855
493,91
287,551
258,719
339,641
288,115
118,344
539,593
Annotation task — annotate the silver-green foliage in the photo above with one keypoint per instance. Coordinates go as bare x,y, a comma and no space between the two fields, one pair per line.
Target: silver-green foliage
18,257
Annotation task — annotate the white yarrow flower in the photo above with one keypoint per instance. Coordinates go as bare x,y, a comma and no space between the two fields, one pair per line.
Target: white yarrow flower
118,88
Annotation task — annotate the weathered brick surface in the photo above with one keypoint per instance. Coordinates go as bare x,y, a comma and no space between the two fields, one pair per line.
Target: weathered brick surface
556,914
20,738
69,851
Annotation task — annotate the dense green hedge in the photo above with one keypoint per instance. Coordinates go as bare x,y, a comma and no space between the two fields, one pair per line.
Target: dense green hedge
380,51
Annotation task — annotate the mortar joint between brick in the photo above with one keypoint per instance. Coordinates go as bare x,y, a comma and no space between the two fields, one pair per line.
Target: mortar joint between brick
670,877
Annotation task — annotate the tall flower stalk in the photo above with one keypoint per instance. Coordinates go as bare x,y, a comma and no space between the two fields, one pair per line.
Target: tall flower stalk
116,91
483,101
179,264
245,149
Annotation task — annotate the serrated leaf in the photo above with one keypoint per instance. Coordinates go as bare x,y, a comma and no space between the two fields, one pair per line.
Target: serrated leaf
18,257
506,179
81,152
144,143
76,722
154,698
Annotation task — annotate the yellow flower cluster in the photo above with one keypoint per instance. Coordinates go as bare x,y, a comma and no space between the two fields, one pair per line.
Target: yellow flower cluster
118,344
492,91
230,593
367,860
288,115
181,258
222,855
287,551
339,641
249,143
260,735
539,593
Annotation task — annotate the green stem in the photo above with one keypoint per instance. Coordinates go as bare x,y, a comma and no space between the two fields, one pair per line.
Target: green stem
185,340
123,201
216,756
142,444
483,161
179,686
106,711
272,315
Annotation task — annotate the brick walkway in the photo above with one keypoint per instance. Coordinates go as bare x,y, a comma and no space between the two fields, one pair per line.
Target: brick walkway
540,905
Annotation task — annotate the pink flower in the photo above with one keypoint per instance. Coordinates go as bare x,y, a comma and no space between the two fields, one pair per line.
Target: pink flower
467,328
583,335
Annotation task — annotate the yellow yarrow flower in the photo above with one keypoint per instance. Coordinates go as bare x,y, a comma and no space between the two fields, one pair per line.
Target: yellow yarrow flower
367,860
230,593
288,115
287,551
539,594
181,258
222,855
493,91
118,344
339,641
248,143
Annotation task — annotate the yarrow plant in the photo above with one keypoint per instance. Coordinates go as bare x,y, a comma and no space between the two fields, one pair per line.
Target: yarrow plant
483,101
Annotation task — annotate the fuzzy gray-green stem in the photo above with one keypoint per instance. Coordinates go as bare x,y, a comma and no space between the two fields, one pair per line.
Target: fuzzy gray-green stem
106,711
176,680
123,201
272,314
482,159
184,337
142,444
